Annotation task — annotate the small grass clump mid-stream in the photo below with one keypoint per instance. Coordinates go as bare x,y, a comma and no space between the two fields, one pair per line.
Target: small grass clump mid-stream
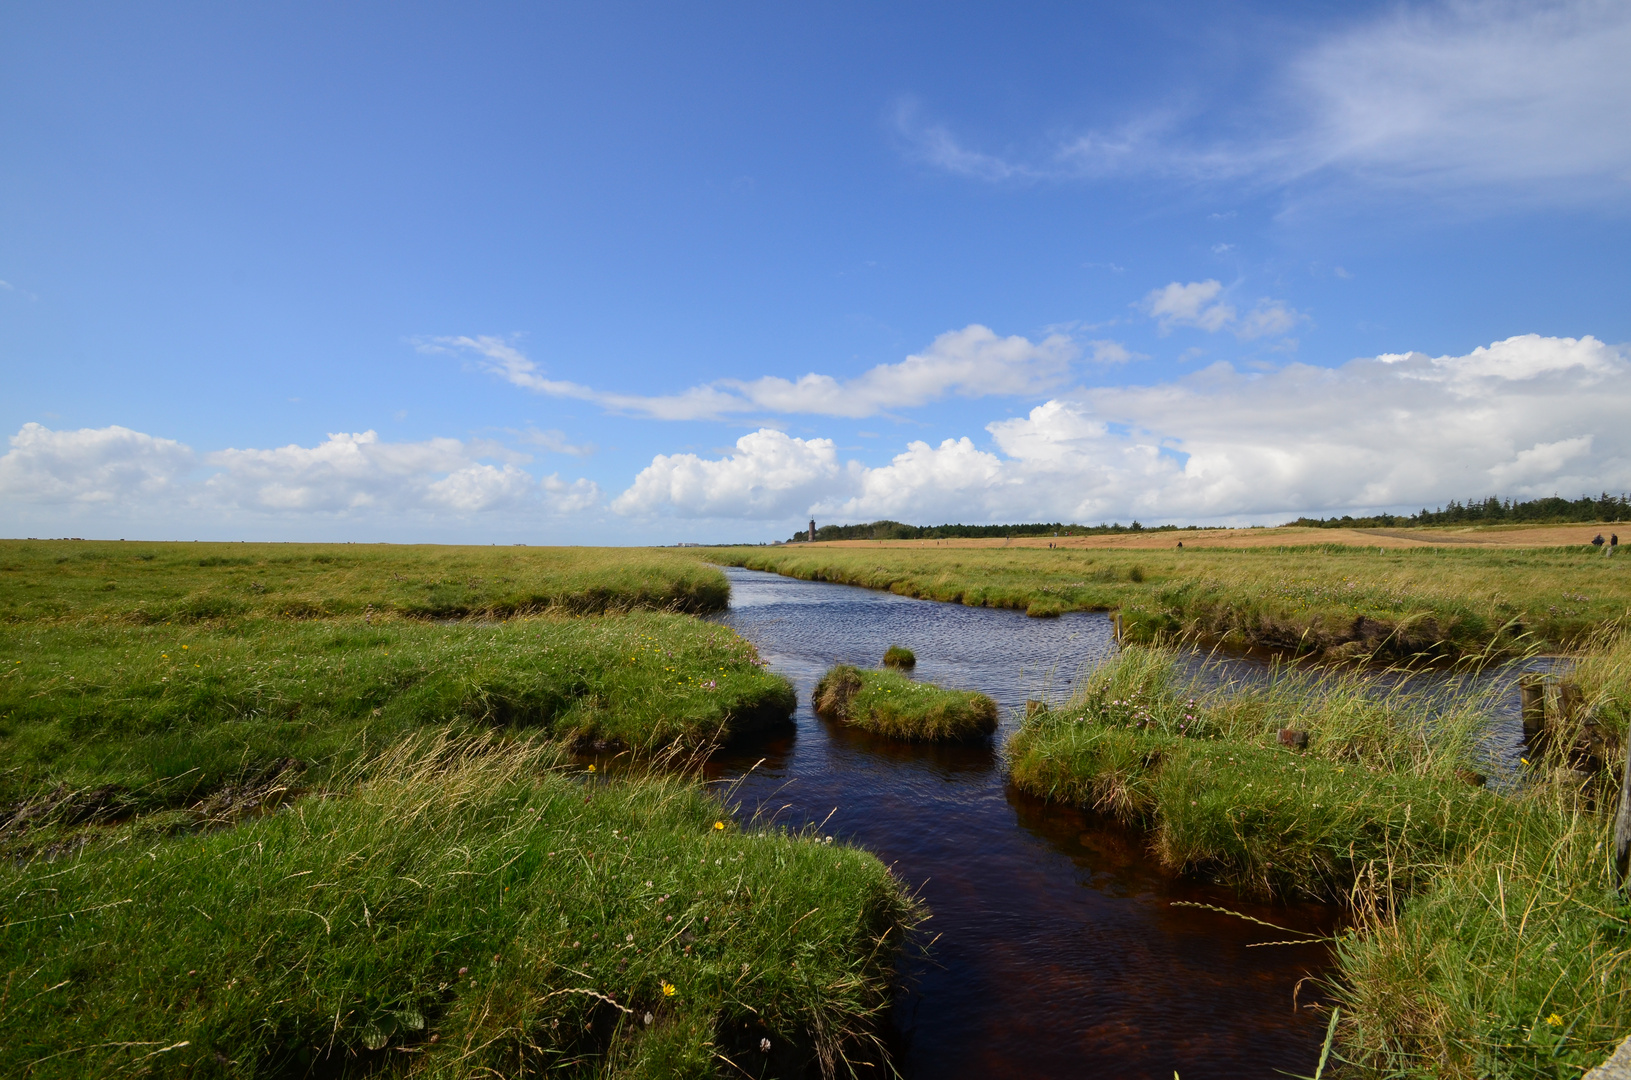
1488,939
888,703
467,910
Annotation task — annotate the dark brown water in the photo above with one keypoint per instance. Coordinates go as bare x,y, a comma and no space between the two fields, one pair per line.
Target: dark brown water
1059,951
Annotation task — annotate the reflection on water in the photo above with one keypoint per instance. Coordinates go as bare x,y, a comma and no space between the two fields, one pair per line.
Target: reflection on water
1059,950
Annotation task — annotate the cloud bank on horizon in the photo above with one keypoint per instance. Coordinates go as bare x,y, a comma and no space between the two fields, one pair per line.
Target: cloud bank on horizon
1527,416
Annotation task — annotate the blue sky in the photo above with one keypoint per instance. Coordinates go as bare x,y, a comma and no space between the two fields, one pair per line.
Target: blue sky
508,272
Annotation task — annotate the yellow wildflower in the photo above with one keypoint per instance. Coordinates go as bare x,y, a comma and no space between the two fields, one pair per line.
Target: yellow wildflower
668,989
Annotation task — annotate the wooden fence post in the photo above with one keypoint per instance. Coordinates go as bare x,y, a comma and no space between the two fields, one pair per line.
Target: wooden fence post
1622,821
1532,694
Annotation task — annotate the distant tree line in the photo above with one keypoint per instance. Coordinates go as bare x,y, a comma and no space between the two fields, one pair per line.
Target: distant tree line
1492,511
895,530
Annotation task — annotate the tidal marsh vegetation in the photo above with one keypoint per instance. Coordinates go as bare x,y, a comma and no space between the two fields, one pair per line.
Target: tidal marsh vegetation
1487,938
468,909
292,825
146,583
899,656
890,704
1331,600
101,720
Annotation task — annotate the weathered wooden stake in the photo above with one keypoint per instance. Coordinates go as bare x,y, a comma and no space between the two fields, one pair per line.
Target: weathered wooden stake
1115,625
1622,821
1532,693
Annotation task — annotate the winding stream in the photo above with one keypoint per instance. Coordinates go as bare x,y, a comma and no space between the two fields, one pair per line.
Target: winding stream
1059,951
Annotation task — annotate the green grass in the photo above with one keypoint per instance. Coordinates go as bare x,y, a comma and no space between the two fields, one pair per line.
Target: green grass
1339,601
890,704
468,911
1487,940
1515,964
147,583
899,656
1204,772
98,720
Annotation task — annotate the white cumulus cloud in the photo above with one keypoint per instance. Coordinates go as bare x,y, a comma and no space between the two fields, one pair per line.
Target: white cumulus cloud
131,475
1526,417
91,465
358,471
769,475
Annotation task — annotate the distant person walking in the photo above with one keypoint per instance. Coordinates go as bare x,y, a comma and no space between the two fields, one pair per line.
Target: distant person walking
1613,542
1597,541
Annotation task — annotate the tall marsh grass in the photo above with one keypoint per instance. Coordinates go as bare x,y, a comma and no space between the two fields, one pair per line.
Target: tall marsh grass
1488,939
1516,963
469,909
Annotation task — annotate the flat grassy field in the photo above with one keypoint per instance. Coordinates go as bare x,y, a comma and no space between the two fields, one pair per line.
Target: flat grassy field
1332,600
180,582
1487,937
469,910
888,703
99,719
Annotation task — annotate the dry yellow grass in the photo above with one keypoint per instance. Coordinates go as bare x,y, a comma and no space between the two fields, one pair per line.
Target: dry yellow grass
1285,536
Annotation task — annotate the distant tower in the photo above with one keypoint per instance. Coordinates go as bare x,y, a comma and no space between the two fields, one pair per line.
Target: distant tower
812,530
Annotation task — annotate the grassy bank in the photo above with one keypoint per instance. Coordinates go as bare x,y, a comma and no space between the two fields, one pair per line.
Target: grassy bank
1515,963
98,720
464,912
890,704
1488,939
1327,600
146,583
1205,772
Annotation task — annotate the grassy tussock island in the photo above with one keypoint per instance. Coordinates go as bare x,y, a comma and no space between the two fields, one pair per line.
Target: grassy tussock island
102,720
890,704
1488,938
1329,599
468,910
146,583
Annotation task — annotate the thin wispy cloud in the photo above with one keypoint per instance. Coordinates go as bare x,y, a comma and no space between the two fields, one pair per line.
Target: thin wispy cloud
972,362
1525,100
1201,304
555,442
